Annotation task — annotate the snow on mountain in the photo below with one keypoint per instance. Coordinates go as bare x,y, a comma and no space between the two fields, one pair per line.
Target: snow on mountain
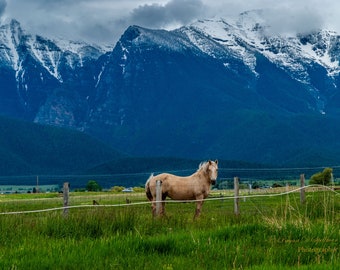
248,35
157,87
15,45
221,33
9,40
241,38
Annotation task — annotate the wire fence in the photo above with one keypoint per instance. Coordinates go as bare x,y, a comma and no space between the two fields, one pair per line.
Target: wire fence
247,176
214,197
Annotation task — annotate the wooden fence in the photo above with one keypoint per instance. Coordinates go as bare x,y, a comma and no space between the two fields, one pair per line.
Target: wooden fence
236,194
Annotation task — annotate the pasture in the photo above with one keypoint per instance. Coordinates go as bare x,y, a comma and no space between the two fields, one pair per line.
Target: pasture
274,232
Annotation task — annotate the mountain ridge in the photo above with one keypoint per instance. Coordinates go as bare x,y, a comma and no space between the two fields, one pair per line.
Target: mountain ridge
219,87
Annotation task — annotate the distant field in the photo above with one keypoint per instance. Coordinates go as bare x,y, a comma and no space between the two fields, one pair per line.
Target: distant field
274,232
8,189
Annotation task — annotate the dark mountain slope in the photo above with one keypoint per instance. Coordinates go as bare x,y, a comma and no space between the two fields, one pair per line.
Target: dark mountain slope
28,148
215,88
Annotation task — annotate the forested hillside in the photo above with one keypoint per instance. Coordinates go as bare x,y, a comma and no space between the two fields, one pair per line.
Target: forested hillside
27,148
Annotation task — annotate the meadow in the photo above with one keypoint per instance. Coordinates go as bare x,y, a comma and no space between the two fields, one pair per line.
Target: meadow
275,232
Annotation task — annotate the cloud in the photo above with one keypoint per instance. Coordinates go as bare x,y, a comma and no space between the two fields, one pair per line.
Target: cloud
284,17
293,21
104,21
175,12
3,5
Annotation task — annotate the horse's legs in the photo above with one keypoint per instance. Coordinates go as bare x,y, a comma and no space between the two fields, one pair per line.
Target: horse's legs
153,207
162,212
198,208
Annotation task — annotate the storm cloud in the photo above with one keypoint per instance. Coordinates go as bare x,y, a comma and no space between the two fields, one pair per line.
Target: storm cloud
105,20
3,5
172,13
289,16
293,21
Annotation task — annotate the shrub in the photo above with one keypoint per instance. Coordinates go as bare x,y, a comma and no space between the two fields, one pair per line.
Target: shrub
139,189
117,189
322,178
276,185
93,186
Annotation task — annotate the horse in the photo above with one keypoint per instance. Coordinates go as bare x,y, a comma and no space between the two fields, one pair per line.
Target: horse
193,187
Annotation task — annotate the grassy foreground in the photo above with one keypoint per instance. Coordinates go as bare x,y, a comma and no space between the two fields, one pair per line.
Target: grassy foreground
271,233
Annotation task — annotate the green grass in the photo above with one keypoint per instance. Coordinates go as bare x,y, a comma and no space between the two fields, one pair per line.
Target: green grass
270,233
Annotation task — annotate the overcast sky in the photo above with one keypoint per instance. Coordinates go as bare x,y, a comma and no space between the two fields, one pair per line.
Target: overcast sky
105,20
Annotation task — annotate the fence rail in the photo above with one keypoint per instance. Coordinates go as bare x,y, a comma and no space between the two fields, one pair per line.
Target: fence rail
236,197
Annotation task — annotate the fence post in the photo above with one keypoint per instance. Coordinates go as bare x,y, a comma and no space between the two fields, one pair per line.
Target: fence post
236,199
38,184
302,191
66,188
158,196
332,182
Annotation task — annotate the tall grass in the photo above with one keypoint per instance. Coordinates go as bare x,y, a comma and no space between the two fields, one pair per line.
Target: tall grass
270,233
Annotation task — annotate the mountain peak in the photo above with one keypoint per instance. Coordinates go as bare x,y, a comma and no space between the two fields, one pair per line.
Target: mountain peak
131,33
14,23
252,20
157,91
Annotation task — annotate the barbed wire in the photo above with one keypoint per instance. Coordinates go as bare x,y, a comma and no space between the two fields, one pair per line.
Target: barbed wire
167,201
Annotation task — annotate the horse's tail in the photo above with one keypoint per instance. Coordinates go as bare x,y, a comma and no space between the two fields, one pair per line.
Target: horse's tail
147,188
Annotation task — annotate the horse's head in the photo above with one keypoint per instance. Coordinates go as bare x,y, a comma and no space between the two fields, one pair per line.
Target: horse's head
212,170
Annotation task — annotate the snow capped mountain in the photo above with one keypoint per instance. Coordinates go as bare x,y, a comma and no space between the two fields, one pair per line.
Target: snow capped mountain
159,92
249,35
16,45
38,66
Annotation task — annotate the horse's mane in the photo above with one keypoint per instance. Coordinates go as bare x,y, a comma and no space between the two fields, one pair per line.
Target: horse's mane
202,166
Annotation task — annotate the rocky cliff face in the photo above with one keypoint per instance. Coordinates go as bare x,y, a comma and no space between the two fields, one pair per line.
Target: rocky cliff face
215,88
37,71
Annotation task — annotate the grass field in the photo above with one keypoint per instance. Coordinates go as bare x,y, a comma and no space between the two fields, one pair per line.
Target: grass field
270,233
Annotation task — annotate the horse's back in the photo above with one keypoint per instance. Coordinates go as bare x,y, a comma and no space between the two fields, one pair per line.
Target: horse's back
150,185
165,177
177,187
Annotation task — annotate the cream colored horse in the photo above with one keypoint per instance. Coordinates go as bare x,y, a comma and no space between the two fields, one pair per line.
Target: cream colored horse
193,187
